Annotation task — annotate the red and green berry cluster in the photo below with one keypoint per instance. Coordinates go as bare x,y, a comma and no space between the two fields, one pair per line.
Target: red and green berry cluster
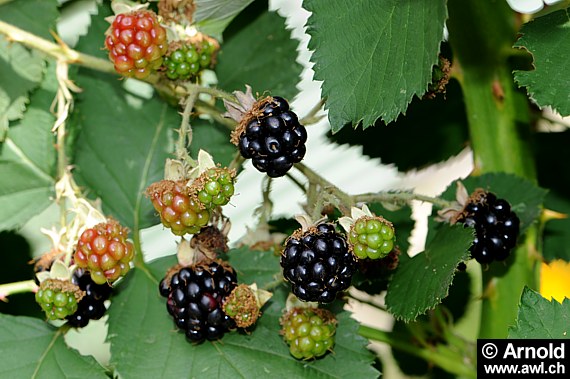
136,43
371,237
188,60
309,332
178,210
58,298
105,252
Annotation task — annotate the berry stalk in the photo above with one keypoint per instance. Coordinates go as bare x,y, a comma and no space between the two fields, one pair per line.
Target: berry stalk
16,287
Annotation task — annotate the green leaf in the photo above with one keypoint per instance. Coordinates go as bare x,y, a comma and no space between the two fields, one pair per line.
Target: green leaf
35,16
261,54
28,159
546,39
213,16
144,341
540,318
123,144
31,348
420,283
373,56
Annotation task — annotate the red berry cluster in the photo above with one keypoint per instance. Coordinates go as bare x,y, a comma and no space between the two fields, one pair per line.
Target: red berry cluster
136,43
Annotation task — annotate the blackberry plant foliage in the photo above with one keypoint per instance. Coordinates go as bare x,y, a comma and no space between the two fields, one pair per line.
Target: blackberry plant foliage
147,114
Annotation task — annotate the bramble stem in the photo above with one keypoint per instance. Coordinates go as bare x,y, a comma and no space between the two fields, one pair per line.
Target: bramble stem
447,359
185,131
215,92
58,51
17,287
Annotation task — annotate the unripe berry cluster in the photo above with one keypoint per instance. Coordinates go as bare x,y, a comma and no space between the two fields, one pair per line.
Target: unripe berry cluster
371,237
309,332
188,60
58,298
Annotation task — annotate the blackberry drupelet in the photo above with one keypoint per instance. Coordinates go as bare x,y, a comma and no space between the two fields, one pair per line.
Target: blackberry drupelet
309,332
274,140
318,263
496,227
195,296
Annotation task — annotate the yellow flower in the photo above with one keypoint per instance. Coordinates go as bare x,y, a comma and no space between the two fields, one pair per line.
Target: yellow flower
555,280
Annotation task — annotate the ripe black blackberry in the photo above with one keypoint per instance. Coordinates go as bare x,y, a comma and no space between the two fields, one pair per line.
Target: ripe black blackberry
195,295
92,305
496,226
318,263
271,136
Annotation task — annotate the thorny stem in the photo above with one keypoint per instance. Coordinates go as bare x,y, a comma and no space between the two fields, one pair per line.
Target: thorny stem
346,201
215,92
212,111
17,287
267,205
447,359
236,162
185,131
311,117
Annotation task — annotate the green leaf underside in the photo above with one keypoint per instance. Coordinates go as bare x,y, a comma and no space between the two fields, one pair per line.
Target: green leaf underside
213,16
420,283
30,348
372,68
145,342
263,55
524,196
540,318
547,39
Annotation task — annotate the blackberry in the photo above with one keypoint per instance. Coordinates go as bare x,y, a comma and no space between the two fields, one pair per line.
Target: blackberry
496,226
195,296
318,263
271,137
309,332
92,305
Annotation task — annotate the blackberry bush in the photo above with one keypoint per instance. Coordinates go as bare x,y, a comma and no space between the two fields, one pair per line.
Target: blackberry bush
317,263
79,143
136,43
195,297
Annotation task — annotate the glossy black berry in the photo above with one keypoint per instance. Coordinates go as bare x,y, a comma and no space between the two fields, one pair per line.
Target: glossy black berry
274,140
318,264
92,305
496,227
194,299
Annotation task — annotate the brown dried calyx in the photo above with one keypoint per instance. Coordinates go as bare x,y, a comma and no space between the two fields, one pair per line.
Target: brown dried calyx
244,111
178,11
63,286
242,306
210,241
